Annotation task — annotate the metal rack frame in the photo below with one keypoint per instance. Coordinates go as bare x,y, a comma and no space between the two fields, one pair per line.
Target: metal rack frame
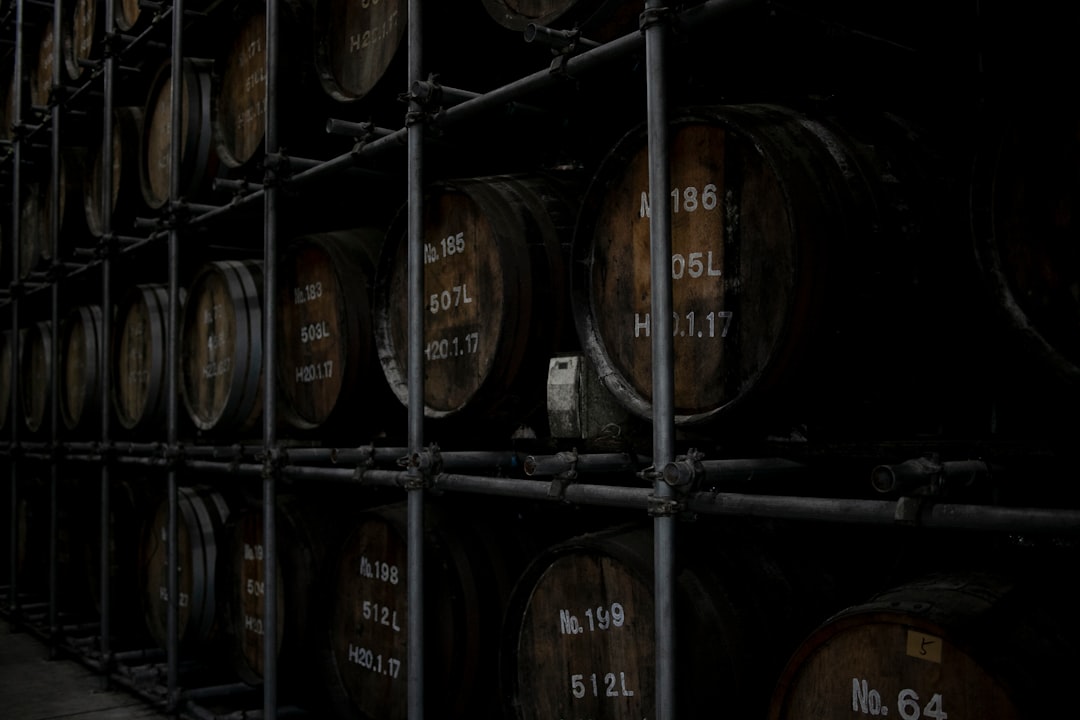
665,497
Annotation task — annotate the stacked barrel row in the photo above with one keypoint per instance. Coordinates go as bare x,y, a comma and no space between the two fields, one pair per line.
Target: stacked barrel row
770,623
799,245
358,53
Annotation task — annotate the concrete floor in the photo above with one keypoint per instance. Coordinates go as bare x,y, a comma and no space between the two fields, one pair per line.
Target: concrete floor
34,688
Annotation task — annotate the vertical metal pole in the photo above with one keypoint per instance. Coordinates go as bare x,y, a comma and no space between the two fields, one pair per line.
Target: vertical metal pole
54,380
16,281
176,101
663,353
415,543
106,334
270,279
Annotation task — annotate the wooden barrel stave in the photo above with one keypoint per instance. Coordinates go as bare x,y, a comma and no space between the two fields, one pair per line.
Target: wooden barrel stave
80,370
221,355
496,280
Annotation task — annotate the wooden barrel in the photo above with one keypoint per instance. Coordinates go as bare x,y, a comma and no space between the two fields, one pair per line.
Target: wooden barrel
303,532
327,366
69,206
580,638
34,228
356,43
125,198
35,371
7,109
129,506
780,229
83,37
1025,201
138,358
41,67
32,537
599,20
130,15
240,101
8,352
221,351
35,541
368,630
966,645
80,368
201,517
198,161
495,294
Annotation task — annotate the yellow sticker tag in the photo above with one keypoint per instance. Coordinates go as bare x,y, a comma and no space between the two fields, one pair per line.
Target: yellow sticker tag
924,647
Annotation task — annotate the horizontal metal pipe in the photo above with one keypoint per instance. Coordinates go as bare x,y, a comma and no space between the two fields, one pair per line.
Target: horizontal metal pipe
198,712
543,465
225,467
222,452
345,456
147,655
733,471
922,472
794,508
480,460
524,489
83,458
141,461
556,39
389,478
365,130
884,512
979,517
216,692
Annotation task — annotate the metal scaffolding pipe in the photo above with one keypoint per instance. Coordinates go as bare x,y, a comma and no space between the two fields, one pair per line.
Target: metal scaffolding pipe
415,527
270,340
692,20
384,478
17,109
542,465
54,346
109,82
172,355
654,23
